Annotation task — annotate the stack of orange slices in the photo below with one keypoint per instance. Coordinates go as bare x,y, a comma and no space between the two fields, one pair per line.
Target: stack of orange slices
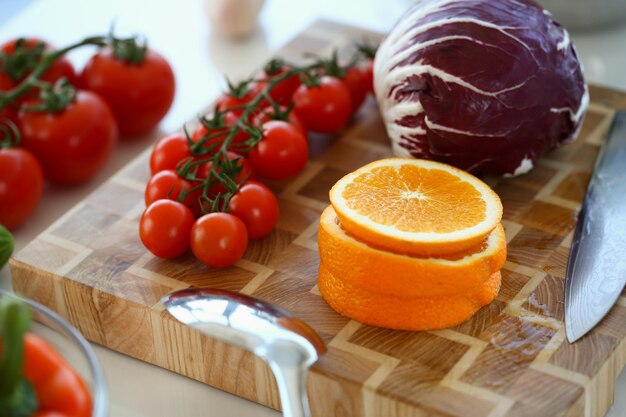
410,244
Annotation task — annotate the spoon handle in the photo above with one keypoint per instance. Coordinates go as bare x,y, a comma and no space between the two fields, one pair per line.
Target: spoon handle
291,381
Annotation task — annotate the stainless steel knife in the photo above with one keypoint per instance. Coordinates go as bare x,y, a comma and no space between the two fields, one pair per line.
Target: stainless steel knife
596,270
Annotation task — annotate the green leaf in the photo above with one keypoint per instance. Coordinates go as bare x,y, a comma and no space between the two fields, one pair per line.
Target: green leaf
6,245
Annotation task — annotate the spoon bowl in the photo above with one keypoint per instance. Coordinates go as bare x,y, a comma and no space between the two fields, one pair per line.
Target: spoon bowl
288,345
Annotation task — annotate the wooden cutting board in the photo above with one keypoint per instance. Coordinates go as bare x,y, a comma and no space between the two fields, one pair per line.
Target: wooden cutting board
511,359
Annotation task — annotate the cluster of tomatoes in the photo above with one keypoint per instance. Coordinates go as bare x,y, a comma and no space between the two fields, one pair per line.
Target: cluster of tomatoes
61,125
205,191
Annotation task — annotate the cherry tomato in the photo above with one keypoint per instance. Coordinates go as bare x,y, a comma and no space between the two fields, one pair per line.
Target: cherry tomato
229,101
21,186
59,389
168,184
165,228
282,152
219,239
9,113
5,82
168,152
325,108
268,113
221,133
59,68
74,144
242,163
283,91
257,207
358,84
139,94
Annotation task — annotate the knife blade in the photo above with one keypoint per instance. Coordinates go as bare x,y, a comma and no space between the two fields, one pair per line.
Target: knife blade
596,269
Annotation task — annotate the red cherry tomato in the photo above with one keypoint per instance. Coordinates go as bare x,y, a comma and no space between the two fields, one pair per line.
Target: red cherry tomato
5,82
60,391
74,144
325,108
229,101
257,207
282,152
9,113
268,113
165,228
139,94
359,85
221,133
168,184
59,68
282,92
245,167
219,239
168,152
21,186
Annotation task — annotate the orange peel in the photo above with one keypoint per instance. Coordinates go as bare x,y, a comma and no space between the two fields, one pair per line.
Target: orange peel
404,313
389,273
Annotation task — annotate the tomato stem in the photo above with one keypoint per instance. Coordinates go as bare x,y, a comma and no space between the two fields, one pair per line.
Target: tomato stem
131,50
47,60
367,49
10,134
23,59
220,201
17,397
54,97
222,172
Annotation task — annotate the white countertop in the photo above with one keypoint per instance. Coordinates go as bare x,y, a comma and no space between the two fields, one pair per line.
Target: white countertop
180,31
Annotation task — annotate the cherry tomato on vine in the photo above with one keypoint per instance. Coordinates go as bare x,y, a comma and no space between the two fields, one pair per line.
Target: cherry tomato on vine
358,84
168,152
257,207
219,239
282,92
168,184
325,108
165,228
5,81
73,144
220,134
9,113
62,67
269,113
243,166
282,152
139,94
21,186
234,99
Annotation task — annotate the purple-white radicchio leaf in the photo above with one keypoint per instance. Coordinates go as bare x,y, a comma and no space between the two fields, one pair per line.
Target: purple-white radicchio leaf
486,85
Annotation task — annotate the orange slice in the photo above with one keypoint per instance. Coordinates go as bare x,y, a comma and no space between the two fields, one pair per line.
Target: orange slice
404,313
388,273
416,206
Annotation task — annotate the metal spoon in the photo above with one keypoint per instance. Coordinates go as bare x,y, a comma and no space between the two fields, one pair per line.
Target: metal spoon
287,344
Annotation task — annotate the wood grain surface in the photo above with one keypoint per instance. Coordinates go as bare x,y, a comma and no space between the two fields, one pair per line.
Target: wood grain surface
511,359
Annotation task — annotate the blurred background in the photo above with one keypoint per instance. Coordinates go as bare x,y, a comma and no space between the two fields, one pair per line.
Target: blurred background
204,40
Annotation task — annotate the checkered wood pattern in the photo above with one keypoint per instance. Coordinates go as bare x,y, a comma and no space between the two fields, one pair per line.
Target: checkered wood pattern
511,359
